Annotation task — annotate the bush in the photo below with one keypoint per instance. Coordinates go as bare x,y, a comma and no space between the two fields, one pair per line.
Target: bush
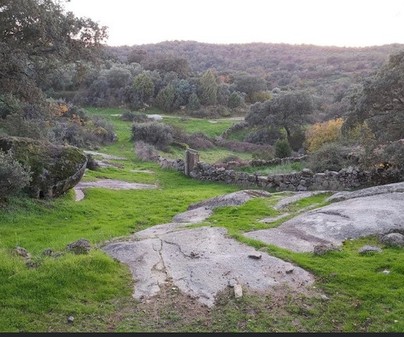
332,157
145,152
136,117
386,156
93,133
263,136
282,148
320,133
263,155
13,175
154,133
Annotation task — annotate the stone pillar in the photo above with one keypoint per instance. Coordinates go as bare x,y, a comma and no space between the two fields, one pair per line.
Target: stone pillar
191,160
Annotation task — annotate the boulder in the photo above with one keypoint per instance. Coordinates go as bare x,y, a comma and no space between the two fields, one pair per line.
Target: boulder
393,239
55,168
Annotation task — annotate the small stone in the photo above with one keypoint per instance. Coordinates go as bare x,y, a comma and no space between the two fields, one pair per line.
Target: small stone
321,249
20,251
386,271
393,240
369,249
70,319
324,297
238,291
31,264
290,270
81,246
47,252
255,256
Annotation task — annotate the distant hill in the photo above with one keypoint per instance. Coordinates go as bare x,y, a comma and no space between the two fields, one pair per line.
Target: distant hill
329,72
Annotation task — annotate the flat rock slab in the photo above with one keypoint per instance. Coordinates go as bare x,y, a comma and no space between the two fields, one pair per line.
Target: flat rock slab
231,199
375,190
110,184
195,215
296,197
114,185
335,223
201,262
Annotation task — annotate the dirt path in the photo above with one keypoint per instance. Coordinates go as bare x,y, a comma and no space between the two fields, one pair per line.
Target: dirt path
110,184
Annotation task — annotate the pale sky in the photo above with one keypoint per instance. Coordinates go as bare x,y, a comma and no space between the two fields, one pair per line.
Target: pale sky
345,23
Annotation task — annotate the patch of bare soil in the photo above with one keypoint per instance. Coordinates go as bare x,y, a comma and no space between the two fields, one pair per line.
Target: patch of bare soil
173,311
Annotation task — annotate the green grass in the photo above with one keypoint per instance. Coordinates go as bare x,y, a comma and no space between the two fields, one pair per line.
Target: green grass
210,128
96,289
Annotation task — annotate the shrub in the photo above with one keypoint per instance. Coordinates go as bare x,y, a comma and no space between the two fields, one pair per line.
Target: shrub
386,156
282,148
145,152
331,156
136,117
13,175
320,133
263,155
263,136
154,133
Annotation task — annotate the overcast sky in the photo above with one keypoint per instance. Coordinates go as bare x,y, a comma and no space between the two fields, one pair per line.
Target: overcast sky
346,23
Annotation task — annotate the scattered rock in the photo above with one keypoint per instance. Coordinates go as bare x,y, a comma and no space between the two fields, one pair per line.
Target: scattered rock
289,271
238,291
20,251
81,246
31,264
70,319
47,252
78,194
393,240
255,256
369,249
385,271
323,248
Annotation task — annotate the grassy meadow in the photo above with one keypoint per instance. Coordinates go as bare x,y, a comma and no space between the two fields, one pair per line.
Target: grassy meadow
96,290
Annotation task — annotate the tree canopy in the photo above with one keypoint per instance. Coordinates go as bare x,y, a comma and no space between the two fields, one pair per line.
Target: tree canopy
36,36
381,102
288,110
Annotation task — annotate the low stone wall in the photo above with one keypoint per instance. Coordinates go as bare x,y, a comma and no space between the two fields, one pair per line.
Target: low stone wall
306,180
174,164
346,179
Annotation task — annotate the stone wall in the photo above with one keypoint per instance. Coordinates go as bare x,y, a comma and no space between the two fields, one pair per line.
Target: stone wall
346,179
306,180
